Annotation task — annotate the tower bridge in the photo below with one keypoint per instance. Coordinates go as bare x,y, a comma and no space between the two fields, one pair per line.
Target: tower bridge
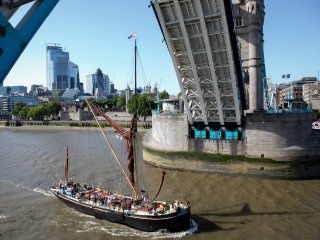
201,38
216,85
202,41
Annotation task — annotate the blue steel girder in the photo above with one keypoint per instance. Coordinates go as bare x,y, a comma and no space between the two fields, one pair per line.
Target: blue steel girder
14,40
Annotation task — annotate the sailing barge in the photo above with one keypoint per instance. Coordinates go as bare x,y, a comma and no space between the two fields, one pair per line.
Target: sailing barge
139,214
136,211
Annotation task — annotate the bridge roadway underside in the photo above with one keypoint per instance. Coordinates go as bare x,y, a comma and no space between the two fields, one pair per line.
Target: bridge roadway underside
202,43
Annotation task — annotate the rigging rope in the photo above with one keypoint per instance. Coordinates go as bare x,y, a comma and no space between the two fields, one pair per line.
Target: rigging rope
112,149
165,152
90,149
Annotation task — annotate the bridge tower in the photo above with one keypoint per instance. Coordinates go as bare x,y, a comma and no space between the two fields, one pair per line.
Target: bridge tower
249,19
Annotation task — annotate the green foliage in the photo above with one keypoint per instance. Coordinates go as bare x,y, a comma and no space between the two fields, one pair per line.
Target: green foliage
210,157
36,113
121,101
17,108
109,103
39,112
52,108
24,112
131,104
164,95
145,104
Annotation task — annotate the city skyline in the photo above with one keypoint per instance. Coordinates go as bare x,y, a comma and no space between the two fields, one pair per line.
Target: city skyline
93,42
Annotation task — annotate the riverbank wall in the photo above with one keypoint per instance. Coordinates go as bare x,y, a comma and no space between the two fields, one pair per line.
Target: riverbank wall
285,138
79,124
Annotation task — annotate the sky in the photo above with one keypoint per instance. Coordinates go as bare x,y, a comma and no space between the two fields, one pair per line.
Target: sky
96,36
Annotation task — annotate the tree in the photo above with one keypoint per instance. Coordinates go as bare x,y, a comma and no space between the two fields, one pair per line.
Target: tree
53,108
37,113
40,112
17,108
24,112
145,105
131,103
164,95
30,113
121,102
109,103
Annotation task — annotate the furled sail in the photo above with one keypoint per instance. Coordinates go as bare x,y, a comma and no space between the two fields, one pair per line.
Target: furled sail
66,164
128,135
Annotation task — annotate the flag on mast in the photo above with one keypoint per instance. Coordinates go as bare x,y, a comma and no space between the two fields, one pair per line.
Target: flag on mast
286,76
133,35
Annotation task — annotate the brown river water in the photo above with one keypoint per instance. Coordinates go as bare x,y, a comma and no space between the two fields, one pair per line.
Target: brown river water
223,206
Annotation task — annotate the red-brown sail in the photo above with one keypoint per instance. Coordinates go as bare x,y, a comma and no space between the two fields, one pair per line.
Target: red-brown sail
113,123
130,149
66,164
128,135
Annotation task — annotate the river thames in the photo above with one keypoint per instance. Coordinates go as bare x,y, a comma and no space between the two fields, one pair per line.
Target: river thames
223,206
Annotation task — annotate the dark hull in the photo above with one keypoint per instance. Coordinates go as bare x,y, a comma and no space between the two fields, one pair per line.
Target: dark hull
172,222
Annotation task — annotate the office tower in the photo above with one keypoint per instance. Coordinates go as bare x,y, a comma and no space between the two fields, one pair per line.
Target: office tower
61,73
97,84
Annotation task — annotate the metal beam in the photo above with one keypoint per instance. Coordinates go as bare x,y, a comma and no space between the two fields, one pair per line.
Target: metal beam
192,62
231,62
171,51
14,40
205,56
211,63
19,3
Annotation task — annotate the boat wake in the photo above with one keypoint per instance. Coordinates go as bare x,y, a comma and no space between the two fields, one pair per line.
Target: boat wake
123,231
46,193
3,217
19,186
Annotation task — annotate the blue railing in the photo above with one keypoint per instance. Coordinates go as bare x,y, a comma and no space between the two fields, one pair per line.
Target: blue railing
294,110
200,134
231,135
216,135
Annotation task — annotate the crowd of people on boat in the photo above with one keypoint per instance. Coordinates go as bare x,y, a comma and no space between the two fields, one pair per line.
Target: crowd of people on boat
101,198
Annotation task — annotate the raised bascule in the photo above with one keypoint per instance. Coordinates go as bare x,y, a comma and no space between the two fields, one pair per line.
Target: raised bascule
200,42
216,47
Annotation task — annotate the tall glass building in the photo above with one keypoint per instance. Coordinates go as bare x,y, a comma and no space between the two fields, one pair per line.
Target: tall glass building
98,84
61,73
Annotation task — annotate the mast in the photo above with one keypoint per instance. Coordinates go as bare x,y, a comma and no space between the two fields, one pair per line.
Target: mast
110,146
66,164
135,76
132,166
134,118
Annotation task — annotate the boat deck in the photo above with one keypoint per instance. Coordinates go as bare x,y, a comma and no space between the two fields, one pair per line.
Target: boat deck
106,200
